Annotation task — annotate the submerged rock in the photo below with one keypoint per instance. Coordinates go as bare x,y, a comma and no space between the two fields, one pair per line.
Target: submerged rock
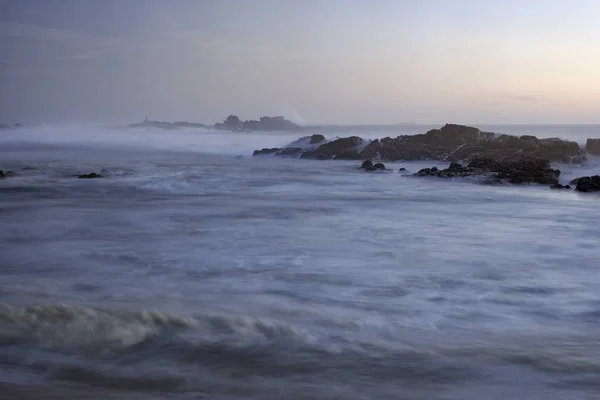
367,164
588,184
2,174
559,186
91,175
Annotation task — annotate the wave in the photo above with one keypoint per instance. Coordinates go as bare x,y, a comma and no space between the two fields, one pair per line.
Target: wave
68,327
71,329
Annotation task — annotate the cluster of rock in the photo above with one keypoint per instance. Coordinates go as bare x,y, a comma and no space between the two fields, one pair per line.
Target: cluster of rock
171,126
266,124
525,170
587,184
450,143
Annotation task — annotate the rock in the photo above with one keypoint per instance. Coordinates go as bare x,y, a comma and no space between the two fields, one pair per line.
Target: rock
345,148
232,124
290,151
559,186
592,146
402,169
450,143
104,172
314,139
91,175
525,170
574,182
367,164
2,174
266,151
270,124
588,184
315,155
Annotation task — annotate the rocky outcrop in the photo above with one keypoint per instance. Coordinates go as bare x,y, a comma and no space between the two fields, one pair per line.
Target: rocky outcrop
588,184
592,146
265,124
344,149
91,175
169,126
231,124
450,143
525,170
266,151
314,139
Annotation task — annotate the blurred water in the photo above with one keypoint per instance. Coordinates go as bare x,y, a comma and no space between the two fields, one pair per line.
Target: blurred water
190,273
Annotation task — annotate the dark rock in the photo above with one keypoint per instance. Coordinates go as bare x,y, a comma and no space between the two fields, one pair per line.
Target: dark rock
232,124
402,169
146,123
452,143
314,139
367,164
91,175
290,151
270,124
2,174
559,186
379,166
592,146
315,155
574,182
266,151
345,148
525,170
588,184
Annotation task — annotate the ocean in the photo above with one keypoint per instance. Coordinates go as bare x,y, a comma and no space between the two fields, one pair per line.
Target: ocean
195,271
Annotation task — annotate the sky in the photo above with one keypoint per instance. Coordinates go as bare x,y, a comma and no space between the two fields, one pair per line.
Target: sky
313,61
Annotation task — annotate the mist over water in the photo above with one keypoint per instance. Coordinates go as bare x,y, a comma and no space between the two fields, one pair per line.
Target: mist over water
190,272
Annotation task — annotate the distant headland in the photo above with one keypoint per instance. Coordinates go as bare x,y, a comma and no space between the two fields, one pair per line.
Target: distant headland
231,124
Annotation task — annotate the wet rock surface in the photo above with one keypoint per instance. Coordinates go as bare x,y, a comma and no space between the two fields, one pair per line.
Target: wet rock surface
525,170
449,143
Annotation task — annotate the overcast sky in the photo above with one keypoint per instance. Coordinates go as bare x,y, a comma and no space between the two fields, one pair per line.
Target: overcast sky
427,61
